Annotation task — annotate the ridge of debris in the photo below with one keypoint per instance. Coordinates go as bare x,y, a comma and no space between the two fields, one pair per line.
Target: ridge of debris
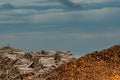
15,63
59,65
99,65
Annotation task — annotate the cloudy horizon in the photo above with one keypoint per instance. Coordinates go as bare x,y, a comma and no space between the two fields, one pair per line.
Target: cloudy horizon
54,25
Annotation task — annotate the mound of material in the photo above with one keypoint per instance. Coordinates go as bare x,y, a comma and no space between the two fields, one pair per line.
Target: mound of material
103,65
15,63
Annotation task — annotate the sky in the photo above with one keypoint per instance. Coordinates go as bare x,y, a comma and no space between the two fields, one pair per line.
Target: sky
81,26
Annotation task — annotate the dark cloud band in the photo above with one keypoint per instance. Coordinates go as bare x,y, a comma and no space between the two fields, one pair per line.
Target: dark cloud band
8,6
71,4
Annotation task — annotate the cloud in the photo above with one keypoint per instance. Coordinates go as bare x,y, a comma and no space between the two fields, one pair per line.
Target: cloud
8,6
48,24
100,5
54,4
90,4
71,4
55,19
101,17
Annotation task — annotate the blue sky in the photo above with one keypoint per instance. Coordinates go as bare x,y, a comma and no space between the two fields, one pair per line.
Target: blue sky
34,25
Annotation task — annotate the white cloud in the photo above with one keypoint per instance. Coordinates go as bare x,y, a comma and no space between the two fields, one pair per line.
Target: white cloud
56,16
102,15
92,1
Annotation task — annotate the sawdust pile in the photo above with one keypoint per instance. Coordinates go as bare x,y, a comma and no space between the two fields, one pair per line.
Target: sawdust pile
99,65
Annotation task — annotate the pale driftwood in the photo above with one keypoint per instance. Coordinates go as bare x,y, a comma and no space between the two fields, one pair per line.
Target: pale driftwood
28,66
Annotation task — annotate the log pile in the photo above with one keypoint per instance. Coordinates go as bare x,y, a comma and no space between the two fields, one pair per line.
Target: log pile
59,65
15,64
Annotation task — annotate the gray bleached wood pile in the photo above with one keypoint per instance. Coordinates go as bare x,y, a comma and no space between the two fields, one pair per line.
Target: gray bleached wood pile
15,62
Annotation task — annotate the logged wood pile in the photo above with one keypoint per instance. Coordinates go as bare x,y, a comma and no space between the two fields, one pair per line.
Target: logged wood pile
99,65
16,64
59,65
